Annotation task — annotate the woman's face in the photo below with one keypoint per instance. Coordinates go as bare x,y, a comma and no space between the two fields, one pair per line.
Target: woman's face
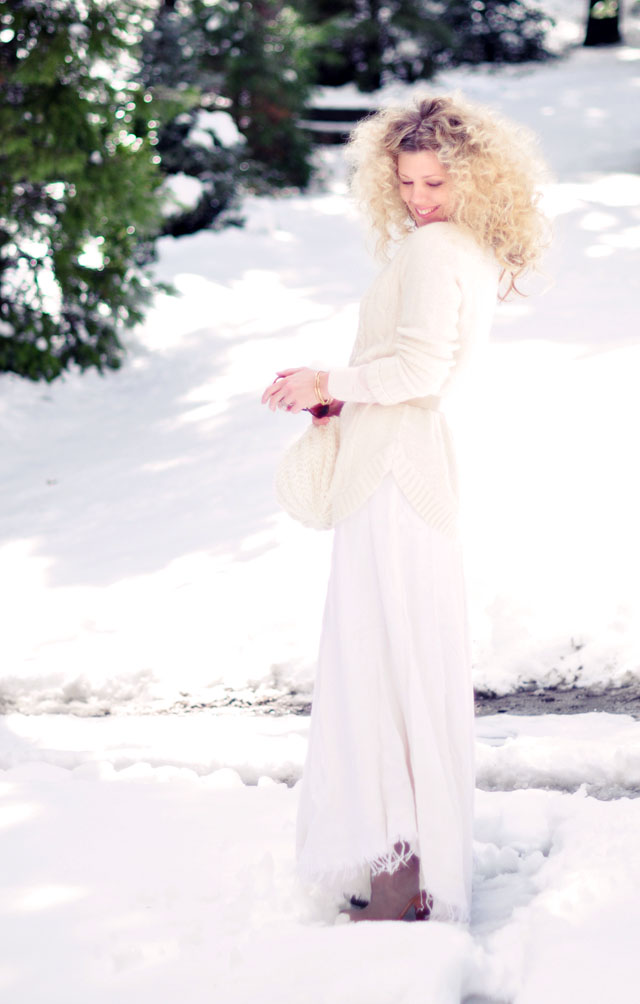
424,186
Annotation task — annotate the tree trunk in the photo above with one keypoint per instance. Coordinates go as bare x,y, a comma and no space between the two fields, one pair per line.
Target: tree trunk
603,23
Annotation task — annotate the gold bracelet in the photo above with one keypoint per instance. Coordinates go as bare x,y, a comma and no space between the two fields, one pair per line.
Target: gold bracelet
321,400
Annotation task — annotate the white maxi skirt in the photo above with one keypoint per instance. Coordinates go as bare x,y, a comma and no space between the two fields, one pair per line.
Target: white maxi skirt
391,746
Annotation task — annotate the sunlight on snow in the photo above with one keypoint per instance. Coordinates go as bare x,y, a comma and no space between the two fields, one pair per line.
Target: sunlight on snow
615,190
10,815
628,238
598,251
43,897
595,220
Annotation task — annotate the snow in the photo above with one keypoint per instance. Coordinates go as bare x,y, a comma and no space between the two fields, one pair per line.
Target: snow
152,856
220,123
182,192
147,573
595,752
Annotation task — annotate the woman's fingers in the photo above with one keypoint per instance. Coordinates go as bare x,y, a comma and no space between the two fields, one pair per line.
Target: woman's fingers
276,389
275,396
273,390
292,389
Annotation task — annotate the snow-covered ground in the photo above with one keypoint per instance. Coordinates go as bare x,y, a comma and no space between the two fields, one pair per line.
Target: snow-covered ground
150,860
145,567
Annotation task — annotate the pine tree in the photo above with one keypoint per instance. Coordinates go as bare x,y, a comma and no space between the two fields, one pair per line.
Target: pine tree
370,41
172,69
78,196
249,60
259,51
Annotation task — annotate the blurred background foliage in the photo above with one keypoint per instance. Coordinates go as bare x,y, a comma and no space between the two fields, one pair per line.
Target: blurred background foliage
370,42
111,111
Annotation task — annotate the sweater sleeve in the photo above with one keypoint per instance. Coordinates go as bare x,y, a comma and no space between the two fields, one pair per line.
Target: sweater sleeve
426,337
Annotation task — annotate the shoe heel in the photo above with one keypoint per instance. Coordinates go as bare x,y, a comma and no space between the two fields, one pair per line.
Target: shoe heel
424,907
415,905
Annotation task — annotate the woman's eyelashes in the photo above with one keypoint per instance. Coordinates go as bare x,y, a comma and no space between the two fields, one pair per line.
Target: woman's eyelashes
430,184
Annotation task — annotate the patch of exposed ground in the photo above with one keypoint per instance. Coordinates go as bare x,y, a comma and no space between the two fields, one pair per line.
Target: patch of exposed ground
552,701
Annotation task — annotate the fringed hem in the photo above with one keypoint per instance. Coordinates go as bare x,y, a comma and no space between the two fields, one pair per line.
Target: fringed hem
447,914
353,880
392,860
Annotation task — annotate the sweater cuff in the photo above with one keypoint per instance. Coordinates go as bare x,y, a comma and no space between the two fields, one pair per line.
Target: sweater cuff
377,389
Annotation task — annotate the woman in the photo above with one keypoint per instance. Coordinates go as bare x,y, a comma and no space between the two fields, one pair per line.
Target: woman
386,809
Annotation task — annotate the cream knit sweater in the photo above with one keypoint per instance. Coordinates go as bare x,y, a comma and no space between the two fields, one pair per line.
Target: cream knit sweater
425,312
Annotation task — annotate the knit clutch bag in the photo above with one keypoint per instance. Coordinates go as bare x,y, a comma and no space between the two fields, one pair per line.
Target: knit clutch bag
305,474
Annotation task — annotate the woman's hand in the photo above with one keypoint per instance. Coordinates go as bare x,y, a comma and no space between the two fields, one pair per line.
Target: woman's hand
295,390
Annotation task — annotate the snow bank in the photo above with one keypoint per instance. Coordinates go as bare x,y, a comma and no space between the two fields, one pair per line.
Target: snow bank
572,891
595,752
194,745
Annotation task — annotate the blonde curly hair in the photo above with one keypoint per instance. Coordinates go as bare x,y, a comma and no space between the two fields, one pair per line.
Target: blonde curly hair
493,166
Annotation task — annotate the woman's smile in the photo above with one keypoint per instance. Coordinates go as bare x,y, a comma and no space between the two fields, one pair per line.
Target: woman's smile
424,186
423,213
